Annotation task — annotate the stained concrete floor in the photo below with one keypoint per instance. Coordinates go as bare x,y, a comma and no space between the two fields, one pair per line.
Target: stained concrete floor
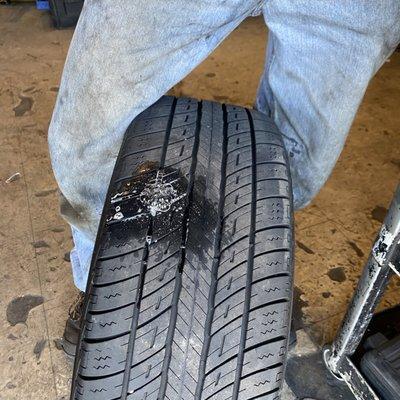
334,233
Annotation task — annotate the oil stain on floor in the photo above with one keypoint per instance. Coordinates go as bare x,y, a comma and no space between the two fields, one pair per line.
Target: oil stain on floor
18,308
337,274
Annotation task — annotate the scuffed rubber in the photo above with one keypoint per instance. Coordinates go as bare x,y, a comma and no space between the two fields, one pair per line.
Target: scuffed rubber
190,289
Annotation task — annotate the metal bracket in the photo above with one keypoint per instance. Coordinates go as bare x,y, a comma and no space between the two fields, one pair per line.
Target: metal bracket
349,373
394,269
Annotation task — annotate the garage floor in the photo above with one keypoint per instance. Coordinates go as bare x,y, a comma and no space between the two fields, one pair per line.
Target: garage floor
334,234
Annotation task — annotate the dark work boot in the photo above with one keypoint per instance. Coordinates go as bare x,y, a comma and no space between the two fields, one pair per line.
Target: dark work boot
72,326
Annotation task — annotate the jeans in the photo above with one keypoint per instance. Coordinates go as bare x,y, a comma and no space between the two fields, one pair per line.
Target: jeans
125,55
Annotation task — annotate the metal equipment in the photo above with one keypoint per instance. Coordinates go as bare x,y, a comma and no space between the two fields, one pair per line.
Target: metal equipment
382,263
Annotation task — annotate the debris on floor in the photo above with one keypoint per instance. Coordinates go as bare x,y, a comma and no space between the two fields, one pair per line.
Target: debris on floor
39,347
24,106
13,177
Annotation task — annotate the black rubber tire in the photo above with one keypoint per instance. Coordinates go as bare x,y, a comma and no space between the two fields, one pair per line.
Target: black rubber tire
189,294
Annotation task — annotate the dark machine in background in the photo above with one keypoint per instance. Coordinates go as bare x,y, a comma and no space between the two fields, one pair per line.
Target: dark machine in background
65,13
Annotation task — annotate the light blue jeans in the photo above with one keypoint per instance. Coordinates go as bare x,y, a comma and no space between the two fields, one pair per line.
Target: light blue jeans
126,54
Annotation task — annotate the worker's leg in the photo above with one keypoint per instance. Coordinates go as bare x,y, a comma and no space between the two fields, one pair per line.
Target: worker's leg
321,56
123,57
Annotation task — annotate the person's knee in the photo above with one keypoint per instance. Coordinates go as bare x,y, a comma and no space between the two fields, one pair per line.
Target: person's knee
307,180
79,197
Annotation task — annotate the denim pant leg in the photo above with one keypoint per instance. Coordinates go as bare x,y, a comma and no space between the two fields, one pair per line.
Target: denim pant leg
321,56
121,60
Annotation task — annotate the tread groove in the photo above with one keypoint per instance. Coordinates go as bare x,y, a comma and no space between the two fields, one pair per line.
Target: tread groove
143,268
250,265
215,263
178,275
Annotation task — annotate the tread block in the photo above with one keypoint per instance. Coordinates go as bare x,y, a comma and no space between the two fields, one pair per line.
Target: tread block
100,389
264,356
267,188
261,383
218,383
268,323
262,292
121,239
109,324
117,269
115,295
104,358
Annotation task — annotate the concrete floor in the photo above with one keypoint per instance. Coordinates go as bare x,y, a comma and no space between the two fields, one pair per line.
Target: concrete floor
334,234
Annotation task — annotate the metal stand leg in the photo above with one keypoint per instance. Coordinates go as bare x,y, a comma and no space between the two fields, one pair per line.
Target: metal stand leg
382,262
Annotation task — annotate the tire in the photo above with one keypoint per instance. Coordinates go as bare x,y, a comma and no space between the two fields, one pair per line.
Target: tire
190,288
